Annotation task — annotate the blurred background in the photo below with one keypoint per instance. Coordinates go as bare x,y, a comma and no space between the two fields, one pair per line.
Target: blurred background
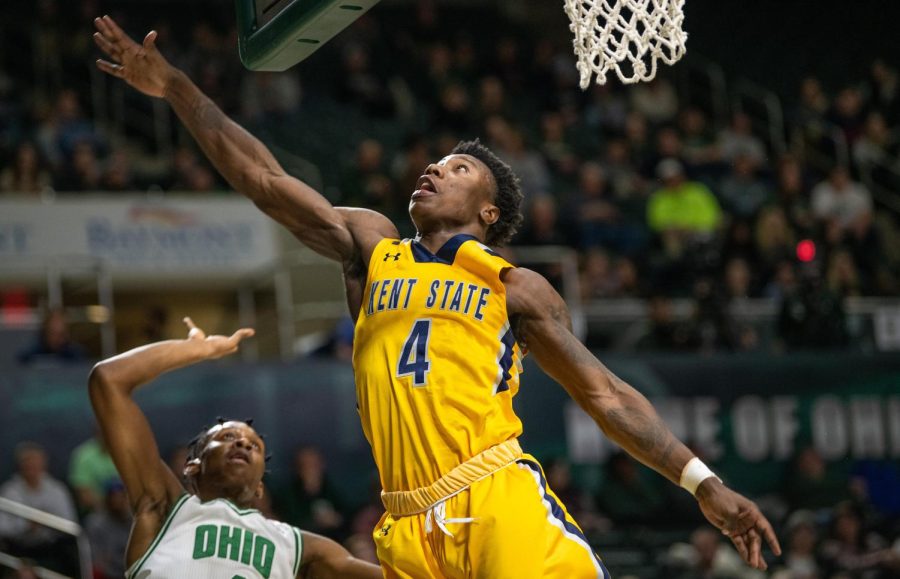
725,236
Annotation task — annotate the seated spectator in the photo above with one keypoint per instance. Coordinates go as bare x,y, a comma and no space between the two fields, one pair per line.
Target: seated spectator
542,225
625,180
742,192
809,485
600,222
877,145
842,202
32,486
108,530
813,105
847,113
82,172
852,550
700,147
665,334
311,501
783,282
792,196
26,174
625,496
842,276
812,317
54,344
738,279
682,212
775,240
798,560
655,100
707,557
739,140
90,470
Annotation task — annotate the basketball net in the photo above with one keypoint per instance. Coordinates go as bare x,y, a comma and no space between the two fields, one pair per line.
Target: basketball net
627,36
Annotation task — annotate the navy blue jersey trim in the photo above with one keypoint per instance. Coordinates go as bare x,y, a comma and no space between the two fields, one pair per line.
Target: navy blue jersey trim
446,254
506,361
557,511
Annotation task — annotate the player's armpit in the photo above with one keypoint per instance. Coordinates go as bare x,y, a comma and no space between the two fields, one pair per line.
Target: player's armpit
322,558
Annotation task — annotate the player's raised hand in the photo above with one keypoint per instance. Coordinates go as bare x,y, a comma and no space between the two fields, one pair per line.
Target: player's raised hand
219,345
141,66
739,519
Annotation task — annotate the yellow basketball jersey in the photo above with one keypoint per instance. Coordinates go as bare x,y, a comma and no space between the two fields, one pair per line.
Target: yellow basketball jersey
435,359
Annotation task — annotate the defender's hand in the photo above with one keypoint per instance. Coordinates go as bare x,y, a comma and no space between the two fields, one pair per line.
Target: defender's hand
219,346
739,519
142,67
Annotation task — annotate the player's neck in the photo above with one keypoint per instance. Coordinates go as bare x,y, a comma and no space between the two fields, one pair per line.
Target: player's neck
435,240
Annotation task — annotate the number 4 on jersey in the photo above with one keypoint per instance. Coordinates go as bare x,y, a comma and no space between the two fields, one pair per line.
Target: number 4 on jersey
414,355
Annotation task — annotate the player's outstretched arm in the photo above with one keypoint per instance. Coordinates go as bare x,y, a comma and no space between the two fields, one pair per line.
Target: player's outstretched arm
542,325
325,559
241,158
150,483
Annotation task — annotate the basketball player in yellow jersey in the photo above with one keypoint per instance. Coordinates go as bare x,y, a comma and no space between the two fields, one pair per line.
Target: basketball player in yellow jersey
441,323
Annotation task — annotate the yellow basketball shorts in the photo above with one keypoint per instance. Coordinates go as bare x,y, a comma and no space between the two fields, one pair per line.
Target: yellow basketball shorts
507,525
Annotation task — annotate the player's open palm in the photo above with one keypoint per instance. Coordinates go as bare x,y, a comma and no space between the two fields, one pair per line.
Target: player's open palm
219,346
141,66
741,520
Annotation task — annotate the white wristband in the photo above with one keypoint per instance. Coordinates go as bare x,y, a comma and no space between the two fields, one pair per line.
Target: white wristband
694,473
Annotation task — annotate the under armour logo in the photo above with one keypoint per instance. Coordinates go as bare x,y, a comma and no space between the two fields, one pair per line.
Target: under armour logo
384,530
396,256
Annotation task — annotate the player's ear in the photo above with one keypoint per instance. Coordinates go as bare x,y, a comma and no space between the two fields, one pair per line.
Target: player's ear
191,468
489,214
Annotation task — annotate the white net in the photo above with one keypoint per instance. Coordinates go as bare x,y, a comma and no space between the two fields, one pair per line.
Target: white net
628,36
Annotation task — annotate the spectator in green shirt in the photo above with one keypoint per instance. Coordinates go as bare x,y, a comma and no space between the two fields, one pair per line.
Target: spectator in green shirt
90,469
682,212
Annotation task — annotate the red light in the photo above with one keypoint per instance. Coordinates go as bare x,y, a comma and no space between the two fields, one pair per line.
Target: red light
806,250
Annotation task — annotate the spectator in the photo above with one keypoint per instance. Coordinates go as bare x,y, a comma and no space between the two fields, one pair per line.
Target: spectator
625,496
598,279
877,145
707,557
851,550
32,486
799,558
700,147
90,470
812,317
27,173
739,140
775,240
783,283
847,113
810,485
82,172
656,100
311,501
54,344
813,105
742,192
108,530
665,334
682,212
792,196
542,225
842,276
842,202
625,180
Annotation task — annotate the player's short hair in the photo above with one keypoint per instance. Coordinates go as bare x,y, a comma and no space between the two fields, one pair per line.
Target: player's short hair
509,192
199,442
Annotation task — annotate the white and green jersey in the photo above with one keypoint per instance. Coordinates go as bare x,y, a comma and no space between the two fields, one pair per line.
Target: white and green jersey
217,540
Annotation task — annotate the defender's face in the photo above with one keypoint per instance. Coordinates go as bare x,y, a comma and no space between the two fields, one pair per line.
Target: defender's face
453,190
235,454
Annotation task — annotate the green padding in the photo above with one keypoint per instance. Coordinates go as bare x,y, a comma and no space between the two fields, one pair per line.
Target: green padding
297,29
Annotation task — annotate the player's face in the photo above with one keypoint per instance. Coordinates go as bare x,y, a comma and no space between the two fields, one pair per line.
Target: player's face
457,190
235,457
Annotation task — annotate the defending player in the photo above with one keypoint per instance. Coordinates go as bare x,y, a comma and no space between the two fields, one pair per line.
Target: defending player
440,321
211,532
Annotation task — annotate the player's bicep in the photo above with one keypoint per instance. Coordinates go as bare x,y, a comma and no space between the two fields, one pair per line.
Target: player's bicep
131,444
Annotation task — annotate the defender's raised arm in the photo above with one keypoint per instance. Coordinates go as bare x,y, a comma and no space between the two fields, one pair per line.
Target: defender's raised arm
241,158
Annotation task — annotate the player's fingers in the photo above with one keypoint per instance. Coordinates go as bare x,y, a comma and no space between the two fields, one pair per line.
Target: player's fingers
242,334
101,26
755,548
105,45
765,529
741,546
150,40
115,32
110,68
